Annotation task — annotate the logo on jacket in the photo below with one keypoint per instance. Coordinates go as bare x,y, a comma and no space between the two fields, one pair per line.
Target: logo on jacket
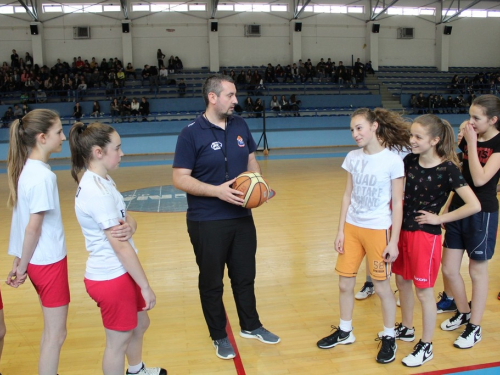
240,141
216,146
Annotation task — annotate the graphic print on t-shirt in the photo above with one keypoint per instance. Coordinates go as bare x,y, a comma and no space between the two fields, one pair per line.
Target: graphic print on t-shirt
365,189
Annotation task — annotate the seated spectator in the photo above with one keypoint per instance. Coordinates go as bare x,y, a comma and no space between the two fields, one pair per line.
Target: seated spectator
171,64
25,109
114,109
77,111
351,78
240,80
414,103
284,105
8,117
154,81
96,109
18,112
258,108
455,83
125,109
359,65
274,104
130,71
120,76
178,64
294,105
134,106
71,90
144,109
248,106
461,104
82,88
181,88
163,75
145,74
369,68
421,103
360,76
24,98
95,79
442,104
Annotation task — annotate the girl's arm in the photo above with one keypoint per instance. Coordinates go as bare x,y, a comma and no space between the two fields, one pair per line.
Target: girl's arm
391,252
470,207
31,237
480,175
346,201
125,230
128,258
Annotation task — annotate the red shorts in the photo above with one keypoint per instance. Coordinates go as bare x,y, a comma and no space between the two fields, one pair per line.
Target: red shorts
51,282
1,301
419,258
119,299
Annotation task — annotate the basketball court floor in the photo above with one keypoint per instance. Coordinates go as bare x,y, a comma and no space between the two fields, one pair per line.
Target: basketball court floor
296,287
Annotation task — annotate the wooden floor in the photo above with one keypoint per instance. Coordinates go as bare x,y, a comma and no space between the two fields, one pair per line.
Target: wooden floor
296,287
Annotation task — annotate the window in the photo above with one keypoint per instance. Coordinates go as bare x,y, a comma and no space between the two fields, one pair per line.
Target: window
140,7
111,8
52,8
225,7
93,9
427,12
279,7
338,9
197,7
73,8
355,9
480,13
395,11
6,9
494,13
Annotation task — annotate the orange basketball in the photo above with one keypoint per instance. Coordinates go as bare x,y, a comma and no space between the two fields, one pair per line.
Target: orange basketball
255,188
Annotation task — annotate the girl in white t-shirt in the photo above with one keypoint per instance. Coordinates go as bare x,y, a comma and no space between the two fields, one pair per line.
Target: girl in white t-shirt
114,277
36,234
374,179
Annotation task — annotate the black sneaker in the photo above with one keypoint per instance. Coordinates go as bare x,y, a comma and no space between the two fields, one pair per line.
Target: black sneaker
387,352
401,333
338,337
455,322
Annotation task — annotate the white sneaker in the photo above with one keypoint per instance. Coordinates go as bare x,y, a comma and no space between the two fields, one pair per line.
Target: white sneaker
455,322
469,337
149,371
366,291
422,352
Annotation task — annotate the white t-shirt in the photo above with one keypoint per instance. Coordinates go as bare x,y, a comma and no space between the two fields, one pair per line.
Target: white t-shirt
99,206
372,177
37,192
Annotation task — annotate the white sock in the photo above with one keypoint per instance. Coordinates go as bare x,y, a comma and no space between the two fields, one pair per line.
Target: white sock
136,368
389,332
450,298
345,325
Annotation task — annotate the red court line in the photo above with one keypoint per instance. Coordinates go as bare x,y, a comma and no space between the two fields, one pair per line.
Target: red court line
240,370
461,369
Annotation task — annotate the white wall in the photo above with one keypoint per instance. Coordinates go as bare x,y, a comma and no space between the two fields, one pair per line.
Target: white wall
323,35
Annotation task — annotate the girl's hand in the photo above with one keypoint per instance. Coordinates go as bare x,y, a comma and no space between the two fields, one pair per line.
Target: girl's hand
470,135
390,253
16,277
149,297
339,243
123,231
427,218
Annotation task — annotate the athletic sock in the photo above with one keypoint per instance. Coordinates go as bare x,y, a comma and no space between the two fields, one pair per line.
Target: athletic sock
389,332
136,368
345,325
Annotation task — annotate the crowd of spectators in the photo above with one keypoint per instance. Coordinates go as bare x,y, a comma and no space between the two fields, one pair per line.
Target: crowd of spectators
70,81
303,72
287,107
435,103
481,83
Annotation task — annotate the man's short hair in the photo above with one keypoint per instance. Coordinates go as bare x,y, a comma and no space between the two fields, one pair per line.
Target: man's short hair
214,84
